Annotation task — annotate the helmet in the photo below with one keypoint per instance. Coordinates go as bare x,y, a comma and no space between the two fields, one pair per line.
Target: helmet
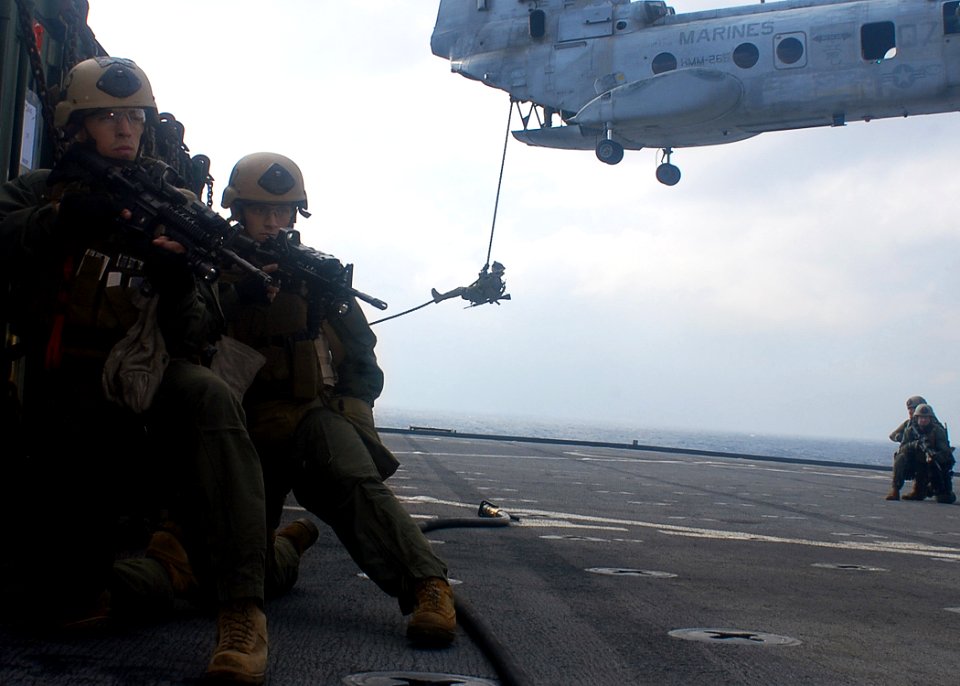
266,177
498,268
915,400
103,82
924,410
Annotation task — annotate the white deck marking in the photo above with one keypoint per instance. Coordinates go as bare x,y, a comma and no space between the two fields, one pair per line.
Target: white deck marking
567,520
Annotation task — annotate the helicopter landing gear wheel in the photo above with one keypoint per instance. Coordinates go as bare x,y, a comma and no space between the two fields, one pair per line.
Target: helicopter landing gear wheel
609,151
668,174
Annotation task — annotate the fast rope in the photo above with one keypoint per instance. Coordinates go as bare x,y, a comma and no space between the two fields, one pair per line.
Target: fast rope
493,225
496,203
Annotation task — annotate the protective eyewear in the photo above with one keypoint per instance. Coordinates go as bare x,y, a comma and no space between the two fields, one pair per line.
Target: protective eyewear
132,115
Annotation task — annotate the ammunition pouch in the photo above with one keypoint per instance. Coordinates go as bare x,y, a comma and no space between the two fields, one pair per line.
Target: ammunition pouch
102,305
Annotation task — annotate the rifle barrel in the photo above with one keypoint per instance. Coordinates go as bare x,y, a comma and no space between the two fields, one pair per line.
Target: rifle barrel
376,302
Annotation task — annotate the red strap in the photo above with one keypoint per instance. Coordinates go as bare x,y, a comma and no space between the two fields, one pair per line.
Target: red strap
54,354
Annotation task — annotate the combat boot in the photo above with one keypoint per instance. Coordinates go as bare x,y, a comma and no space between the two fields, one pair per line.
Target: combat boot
241,654
167,550
434,620
918,492
894,494
302,533
946,498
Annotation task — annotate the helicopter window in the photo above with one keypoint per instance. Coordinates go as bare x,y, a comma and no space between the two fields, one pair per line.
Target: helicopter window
951,20
878,41
665,61
538,23
746,55
790,50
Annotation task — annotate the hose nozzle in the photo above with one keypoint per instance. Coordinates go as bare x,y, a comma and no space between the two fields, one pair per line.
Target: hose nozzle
488,509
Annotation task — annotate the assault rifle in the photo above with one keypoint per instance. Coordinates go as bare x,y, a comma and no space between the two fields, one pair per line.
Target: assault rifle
914,438
153,202
324,272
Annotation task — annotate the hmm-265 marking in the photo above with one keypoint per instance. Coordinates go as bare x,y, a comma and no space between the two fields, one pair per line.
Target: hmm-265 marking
610,75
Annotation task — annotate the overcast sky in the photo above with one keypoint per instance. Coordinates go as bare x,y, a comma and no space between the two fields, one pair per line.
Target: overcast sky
800,283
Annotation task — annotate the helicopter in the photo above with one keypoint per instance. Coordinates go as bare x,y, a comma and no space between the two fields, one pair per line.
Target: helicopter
615,75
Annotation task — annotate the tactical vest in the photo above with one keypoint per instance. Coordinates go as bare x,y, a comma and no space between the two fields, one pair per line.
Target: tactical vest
298,362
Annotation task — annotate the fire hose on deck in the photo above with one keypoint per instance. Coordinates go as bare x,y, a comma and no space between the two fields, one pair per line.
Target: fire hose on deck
509,671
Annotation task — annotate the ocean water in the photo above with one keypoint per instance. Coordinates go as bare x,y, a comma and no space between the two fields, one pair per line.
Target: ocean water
861,452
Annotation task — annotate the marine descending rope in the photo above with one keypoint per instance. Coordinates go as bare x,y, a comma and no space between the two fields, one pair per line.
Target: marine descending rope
493,225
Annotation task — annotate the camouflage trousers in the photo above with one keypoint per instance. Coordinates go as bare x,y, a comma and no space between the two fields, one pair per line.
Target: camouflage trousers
325,463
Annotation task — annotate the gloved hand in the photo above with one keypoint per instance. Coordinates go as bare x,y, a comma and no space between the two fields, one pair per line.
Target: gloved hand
87,215
254,290
70,168
169,272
